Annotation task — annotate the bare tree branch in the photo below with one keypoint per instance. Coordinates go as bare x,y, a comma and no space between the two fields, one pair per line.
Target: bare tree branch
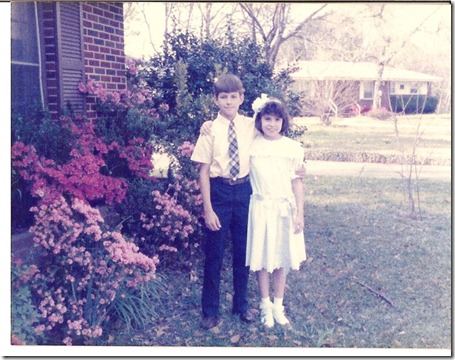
278,23
142,10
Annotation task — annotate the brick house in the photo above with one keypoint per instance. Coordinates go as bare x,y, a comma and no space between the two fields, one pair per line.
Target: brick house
57,45
362,76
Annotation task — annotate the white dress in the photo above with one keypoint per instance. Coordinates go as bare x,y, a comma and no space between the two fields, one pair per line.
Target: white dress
271,242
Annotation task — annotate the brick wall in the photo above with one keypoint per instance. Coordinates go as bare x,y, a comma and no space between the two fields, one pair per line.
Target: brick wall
103,46
103,40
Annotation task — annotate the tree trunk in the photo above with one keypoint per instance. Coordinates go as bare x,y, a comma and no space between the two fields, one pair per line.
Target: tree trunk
377,84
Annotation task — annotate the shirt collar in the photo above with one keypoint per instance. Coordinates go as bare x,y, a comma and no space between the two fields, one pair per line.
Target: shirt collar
223,119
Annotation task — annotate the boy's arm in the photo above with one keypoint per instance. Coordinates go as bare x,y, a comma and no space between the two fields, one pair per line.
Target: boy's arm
301,171
211,219
297,188
206,128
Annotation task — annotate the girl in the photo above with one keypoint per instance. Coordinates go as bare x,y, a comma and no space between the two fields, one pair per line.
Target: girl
275,242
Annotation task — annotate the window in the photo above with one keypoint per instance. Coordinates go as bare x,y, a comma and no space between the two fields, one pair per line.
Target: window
392,87
38,79
366,89
414,88
26,86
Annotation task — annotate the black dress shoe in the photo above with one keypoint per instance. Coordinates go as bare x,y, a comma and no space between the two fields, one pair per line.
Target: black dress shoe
247,317
209,322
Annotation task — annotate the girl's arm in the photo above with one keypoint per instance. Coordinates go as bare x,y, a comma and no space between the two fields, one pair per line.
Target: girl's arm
211,219
298,189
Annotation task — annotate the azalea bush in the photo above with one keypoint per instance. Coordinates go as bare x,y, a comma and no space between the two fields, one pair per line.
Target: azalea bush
84,269
91,273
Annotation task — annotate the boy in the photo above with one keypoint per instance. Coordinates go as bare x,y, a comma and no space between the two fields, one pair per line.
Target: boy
225,188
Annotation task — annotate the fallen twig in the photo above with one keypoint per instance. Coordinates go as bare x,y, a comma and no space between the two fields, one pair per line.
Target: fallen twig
382,296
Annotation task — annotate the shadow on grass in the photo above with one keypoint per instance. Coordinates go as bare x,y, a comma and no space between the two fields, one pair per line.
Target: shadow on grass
374,278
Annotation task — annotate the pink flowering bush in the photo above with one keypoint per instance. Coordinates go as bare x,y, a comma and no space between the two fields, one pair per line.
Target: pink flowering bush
90,272
172,228
85,269
164,214
91,173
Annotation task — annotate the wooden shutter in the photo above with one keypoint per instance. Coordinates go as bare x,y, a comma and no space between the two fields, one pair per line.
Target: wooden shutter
70,55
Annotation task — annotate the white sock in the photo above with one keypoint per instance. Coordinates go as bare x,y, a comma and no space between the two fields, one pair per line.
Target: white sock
278,301
267,312
266,301
278,312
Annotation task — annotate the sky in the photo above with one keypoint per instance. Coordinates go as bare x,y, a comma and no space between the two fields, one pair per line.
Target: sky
406,17
139,45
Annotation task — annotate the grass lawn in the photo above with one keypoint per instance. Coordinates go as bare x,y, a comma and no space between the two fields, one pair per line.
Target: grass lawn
369,140
374,278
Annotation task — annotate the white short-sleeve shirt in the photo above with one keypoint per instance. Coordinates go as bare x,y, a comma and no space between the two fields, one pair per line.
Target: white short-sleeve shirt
213,149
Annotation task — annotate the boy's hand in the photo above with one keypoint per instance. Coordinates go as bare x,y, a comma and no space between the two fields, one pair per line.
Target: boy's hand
212,222
301,171
206,128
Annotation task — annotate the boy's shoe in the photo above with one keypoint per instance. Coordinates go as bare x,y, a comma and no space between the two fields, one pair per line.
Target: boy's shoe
209,322
278,315
267,315
247,316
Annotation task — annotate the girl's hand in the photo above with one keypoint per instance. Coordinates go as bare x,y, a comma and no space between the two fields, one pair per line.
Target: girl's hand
299,225
212,222
206,128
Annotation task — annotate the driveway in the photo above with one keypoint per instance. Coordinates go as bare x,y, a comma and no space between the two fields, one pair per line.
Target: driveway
385,171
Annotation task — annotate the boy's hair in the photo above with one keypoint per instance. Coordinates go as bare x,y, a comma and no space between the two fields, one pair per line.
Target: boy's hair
276,108
228,83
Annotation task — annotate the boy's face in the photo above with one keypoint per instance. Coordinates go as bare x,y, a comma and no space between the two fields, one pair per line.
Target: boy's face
229,104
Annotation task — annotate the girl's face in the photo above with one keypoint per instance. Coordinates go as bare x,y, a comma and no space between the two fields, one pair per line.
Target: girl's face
271,126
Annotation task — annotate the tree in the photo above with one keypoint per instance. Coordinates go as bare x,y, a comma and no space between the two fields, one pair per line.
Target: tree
271,22
388,42
213,18
324,98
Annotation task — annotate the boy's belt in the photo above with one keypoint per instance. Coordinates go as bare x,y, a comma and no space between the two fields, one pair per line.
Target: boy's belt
232,181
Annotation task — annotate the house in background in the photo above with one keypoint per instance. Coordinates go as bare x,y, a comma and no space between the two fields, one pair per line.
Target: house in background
362,76
57,45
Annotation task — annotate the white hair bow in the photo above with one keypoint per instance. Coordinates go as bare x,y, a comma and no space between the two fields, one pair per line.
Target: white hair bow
259,103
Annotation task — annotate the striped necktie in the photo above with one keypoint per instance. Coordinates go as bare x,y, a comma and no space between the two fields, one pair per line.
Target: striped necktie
234,161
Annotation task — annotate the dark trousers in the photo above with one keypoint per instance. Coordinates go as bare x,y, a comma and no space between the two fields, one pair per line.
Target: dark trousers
230,203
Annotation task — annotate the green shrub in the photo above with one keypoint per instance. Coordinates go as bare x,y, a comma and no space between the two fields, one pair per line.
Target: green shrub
24,315
379,113
137,308
413,104
204,60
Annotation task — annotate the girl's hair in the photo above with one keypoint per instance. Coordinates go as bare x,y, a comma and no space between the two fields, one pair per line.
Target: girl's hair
276,108
228,83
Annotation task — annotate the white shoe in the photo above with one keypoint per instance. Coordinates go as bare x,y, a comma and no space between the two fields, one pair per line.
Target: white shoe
278,314
267,315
